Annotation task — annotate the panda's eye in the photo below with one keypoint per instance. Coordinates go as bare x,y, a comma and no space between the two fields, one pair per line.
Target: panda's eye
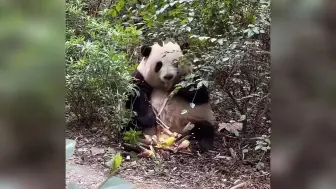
158,66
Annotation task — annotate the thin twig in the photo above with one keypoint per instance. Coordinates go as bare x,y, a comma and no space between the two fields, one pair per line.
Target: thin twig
188,127
239,185
160,122
163,105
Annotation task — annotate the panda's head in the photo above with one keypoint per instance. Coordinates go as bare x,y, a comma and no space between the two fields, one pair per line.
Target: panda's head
161,66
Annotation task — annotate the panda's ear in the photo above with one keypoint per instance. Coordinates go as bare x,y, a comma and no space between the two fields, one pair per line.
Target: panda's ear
184,46
145,50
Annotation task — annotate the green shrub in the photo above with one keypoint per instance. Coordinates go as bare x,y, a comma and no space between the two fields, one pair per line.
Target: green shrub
97,66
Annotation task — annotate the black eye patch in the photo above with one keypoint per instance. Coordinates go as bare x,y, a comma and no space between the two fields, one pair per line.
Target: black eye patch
158,66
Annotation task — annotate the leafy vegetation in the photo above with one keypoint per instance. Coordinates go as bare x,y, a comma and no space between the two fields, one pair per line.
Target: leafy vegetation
132,136
229,47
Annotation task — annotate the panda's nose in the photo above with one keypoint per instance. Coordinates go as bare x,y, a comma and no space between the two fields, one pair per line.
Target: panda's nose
168,77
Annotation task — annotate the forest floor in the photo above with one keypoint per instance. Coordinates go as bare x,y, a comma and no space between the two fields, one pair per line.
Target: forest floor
219,168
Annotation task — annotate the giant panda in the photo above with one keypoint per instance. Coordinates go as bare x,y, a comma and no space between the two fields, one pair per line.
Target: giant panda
156,75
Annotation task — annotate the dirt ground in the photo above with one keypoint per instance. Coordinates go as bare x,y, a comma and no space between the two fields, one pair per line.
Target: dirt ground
219,168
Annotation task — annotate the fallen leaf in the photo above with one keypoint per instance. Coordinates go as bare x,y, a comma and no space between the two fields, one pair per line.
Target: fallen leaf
231,127
242,118
260,166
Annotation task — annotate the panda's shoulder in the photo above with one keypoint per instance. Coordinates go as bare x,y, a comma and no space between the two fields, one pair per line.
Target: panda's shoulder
140,82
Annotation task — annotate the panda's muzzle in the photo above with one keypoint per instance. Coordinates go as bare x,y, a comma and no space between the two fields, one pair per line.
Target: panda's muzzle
168,77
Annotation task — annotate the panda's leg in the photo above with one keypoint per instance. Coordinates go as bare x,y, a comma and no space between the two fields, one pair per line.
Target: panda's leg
203,135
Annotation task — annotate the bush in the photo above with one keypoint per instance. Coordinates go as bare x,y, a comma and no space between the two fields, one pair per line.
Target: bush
97,66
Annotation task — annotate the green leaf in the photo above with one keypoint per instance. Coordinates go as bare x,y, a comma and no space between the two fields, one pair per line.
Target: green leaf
206,83
121,3
251,18
69,148
113,12
257,147
250,33
127,138
116,162
220,41
235,132
199,85
255,30
184,21
118,8
225,59
137,133
116,183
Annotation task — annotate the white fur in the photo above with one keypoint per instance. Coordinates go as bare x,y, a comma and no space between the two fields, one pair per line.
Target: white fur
171,114
167,54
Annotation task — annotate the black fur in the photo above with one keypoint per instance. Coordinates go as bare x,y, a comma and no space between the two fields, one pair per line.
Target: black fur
198,97
146,50
193,95
158,66
203,133
145,117
184,47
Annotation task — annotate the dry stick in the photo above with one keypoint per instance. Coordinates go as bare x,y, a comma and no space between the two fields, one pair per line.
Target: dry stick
188,127
160,111
239,185
144,141
185,132
160,122
143,145
163,105
168,132
132,147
